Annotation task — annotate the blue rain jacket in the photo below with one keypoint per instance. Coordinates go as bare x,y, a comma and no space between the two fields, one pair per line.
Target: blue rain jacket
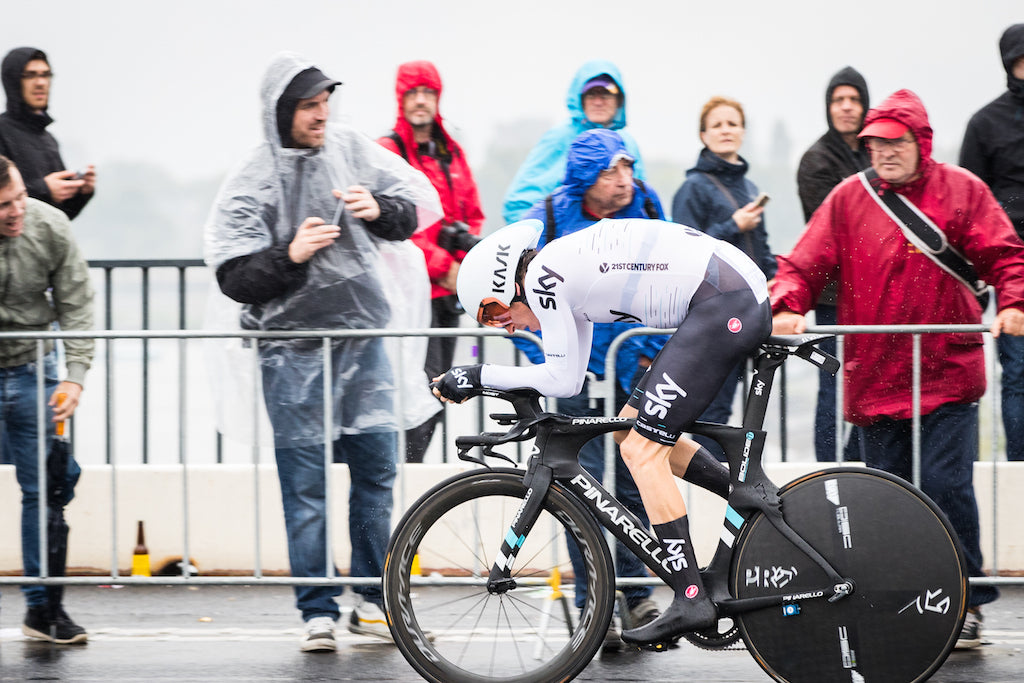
588,155
544,167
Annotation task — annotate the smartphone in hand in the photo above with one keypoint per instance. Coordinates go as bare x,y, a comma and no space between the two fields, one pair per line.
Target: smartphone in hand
761,199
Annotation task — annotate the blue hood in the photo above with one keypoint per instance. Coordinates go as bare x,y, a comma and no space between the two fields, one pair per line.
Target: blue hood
589,154
574,97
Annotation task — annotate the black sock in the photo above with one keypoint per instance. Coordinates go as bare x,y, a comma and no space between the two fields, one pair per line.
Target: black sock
706,472
675,540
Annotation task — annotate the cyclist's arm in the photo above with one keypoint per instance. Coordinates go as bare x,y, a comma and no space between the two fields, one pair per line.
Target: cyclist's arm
566,352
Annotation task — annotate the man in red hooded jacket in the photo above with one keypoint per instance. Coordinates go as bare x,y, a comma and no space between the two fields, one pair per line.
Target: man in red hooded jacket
419,136
885,280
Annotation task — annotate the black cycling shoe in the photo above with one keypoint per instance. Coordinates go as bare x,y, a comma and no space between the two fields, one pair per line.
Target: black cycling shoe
682,616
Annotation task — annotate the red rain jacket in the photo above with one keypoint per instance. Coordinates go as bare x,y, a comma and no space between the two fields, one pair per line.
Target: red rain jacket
884,279
460,200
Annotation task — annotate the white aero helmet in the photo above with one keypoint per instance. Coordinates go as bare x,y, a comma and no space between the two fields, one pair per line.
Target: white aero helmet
487,276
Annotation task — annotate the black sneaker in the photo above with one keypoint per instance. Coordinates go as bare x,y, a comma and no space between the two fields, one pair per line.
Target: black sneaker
970,634
612,639
59,629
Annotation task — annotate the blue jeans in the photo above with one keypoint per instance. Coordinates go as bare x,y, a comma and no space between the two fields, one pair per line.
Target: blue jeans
592,460
949,447
293,394
20,441
1011,357
371,464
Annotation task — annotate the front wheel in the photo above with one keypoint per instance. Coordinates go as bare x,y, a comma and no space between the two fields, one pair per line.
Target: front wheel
446,623
892,542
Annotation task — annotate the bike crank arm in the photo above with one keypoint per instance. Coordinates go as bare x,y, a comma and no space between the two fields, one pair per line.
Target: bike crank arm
734,606
538,481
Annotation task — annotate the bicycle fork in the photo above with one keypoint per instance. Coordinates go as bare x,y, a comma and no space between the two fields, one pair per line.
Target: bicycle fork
538,480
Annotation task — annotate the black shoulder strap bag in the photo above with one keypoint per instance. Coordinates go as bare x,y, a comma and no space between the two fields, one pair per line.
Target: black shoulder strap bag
926,236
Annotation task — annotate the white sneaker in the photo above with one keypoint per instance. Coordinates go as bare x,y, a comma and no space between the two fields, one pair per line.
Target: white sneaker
319,635
369,620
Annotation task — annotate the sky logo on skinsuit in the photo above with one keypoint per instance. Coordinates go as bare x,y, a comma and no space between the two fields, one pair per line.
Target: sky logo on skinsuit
667,392
547,283
734,325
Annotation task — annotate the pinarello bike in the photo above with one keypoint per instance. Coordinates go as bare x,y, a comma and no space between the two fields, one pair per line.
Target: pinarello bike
846,574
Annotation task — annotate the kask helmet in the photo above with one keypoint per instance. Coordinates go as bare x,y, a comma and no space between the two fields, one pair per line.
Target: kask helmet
488,273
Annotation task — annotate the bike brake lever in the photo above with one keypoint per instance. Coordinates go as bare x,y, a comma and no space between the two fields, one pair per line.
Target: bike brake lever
464,455
488,450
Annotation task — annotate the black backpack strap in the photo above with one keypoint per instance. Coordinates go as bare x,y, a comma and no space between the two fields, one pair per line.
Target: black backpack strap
650,210
549,224
924,234
395,138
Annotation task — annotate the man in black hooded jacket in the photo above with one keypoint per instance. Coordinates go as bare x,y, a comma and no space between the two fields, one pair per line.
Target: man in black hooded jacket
837,154
993,149
24,139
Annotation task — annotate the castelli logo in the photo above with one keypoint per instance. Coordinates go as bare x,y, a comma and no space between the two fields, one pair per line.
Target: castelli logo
691,591
734,325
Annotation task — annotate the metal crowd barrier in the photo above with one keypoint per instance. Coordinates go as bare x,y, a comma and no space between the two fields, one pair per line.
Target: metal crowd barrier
840,427
182,335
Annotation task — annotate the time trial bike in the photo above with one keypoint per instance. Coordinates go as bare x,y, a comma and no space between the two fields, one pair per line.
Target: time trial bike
846,574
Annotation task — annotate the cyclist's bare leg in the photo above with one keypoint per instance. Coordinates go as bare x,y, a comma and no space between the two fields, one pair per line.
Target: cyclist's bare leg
651,465
689,461
648,462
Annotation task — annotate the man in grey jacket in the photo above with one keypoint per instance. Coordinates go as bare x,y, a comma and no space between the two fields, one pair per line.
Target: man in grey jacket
45,280
295,236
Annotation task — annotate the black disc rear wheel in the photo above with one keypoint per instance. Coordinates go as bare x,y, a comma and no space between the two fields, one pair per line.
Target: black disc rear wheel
903,557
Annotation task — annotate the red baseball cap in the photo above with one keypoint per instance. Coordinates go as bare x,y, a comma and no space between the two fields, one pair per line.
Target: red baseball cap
884,128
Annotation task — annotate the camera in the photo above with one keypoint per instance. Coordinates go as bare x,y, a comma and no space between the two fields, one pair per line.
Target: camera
455,237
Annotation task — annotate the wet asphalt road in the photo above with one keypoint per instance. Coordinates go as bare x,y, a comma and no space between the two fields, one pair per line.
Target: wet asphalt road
228,633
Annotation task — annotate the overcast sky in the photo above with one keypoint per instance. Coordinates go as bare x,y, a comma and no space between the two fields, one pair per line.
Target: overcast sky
176,83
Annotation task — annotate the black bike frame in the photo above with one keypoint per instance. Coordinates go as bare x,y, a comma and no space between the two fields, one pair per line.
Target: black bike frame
555,461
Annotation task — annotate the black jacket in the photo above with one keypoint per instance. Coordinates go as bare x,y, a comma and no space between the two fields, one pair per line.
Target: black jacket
23,136
829,160
993,147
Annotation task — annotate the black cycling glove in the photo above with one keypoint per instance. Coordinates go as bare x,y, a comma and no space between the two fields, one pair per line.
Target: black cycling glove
460,383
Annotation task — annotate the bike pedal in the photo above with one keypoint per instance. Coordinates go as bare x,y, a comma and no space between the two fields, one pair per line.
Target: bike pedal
663,646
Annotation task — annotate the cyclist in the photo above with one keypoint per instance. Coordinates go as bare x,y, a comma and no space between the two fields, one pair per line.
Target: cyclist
646,271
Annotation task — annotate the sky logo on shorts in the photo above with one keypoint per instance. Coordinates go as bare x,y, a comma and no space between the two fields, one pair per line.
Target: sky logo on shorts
734,325
665,393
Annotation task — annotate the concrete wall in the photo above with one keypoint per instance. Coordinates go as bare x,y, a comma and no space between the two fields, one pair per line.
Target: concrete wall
222,517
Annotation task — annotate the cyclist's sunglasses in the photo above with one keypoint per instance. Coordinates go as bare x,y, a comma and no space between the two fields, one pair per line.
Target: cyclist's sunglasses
493,313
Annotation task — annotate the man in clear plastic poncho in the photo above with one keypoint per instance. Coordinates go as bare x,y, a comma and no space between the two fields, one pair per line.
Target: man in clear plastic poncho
296,236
